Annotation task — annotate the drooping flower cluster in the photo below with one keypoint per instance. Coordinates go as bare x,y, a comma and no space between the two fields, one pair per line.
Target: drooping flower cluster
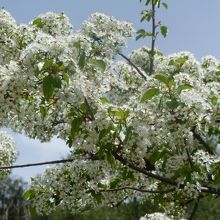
130,136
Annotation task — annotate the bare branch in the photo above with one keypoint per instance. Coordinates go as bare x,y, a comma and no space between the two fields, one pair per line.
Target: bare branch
132,64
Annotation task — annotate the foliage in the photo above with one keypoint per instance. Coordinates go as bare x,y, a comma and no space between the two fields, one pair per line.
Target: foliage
138,128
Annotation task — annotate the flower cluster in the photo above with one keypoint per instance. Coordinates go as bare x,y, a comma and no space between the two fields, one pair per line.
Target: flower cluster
8,153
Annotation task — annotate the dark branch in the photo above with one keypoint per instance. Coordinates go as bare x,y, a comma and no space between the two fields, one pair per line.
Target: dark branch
164,179
132,64
144,171
139,190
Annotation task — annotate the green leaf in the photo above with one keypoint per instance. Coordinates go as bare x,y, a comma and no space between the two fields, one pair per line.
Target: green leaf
138,37
142,34
170,83
121,114
183,87
127,174
32,211
104,100
173,104
77,45
148,2
165,5
110,158
82,60
157,155
43,112
38,22
47,64
128,134
61,68
181,60
75,126
214,100
61,17
103,133
147,15
99,64
29,194
102,186
97,196
157,3
164,30
163,78
66,78
57,82
114,183
48,87
150,93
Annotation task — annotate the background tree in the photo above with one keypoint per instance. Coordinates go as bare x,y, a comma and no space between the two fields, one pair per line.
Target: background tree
12,204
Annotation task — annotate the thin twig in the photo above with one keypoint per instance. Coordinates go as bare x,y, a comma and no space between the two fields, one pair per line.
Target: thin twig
132,64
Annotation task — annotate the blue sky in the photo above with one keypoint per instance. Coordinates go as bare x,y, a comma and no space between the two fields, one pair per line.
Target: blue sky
193,26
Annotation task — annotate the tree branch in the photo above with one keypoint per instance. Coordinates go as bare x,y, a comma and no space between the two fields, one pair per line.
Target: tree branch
139,190
133,65
164,179
144,171
153,40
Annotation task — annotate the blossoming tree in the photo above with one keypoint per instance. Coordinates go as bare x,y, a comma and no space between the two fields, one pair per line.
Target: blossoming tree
144,127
